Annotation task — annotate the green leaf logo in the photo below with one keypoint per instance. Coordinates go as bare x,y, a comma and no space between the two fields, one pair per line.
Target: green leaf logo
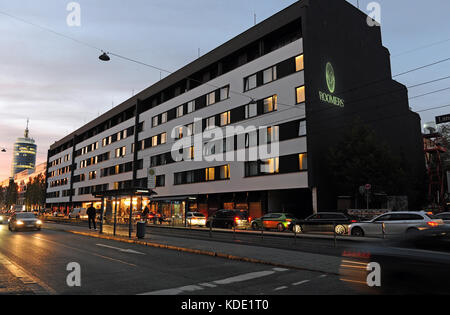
331,80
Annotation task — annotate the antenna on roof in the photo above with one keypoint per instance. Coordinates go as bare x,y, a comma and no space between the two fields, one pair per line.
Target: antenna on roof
254,18
26,130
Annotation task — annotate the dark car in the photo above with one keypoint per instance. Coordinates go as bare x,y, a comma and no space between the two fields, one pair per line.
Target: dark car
278,221
229,219
416,264
24,221
324,222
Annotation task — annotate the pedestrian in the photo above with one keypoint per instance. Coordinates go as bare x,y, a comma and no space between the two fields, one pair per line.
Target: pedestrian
91,212
145,213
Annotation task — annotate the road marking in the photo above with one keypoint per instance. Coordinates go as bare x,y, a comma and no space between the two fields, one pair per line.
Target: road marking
301,282
88,252
121,249
202,286
35,285
322,276
281,288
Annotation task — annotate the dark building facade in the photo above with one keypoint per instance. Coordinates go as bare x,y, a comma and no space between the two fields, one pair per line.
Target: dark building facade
303,76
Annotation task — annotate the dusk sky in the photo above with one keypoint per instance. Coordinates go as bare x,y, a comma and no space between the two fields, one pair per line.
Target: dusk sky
61,85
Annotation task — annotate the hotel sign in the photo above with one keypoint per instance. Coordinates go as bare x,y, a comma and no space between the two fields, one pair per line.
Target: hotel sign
331,84
443,119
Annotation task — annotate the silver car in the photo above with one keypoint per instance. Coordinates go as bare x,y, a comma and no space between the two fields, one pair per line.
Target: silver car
24,221
395,223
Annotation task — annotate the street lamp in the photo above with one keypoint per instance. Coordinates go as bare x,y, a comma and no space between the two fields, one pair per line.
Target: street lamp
3,150
104,57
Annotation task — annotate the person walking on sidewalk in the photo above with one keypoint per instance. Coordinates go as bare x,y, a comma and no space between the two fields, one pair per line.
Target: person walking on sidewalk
91,212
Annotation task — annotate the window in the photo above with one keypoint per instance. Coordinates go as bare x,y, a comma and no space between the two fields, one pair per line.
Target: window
161,181
251,168
155,121
210,174
301,95
191,107
190,130
250,83
211,98
121,152
302,128
303,161
251,110
154,141
163,118
272,134
180,111
224,93
225,172
299,65
210,122
270,75
225,119
270,104
163,138
92,175
179,133
270,166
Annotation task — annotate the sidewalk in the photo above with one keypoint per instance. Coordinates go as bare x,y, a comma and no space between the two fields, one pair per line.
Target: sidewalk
255,254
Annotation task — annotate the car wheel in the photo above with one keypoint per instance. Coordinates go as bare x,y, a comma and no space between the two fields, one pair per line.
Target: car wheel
357,231
297,229
280,227
340,230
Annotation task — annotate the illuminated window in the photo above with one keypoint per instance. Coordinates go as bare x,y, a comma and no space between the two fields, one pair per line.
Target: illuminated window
210,122
155,121
272,134
250,82
270,75
225,118
225,172
210,174
303,161
163,118
163,138
270,104
190,130
154,141
179,132
270,166
299,65
301,95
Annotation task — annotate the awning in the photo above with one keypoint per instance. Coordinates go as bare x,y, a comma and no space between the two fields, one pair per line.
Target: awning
179,198
125,193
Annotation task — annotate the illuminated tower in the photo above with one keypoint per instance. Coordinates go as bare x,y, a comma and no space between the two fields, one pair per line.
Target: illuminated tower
24,154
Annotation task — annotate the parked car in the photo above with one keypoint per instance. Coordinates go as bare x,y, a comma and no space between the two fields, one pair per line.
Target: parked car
395,223
278,221
3,217
324,222
24,220
419,264
229,219
195,219
445,216
78,213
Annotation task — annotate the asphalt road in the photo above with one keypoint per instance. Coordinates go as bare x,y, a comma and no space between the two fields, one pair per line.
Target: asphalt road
36,263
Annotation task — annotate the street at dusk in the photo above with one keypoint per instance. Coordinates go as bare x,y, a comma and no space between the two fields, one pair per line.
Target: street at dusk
223,156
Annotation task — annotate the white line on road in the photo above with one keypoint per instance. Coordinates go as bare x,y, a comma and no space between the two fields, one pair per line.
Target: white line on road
301,282
281,288
130,251
202,286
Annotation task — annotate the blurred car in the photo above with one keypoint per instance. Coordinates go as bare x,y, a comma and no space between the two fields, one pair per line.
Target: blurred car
395,223
23,221
78,213
324,222
195,219
3,218
416,264
278,221
229,219
445,216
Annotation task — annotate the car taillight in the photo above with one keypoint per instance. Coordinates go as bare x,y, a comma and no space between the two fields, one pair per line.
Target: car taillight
236,219
353,221
433,224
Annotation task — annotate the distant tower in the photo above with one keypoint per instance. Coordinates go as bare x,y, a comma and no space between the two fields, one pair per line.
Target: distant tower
24,154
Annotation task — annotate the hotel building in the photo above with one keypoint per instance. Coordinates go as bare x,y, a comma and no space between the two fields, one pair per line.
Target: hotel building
300,78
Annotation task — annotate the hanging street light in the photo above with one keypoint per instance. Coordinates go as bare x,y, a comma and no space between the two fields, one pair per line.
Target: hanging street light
104,57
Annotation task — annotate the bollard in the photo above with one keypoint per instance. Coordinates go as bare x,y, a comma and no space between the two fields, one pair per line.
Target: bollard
383,230
335,235
262,233
210,229
234,231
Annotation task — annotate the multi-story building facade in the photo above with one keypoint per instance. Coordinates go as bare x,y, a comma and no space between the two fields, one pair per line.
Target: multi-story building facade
298,78
24,155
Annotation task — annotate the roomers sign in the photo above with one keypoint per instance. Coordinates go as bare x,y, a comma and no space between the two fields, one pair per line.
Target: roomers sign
331,84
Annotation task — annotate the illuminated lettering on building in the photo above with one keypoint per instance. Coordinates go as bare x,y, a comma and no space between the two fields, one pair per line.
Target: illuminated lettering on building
331,84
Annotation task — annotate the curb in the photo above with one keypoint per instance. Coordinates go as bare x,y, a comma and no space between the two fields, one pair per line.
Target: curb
198,252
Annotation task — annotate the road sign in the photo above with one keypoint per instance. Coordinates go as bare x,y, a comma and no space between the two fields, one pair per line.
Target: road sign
151,177
368,187
443,119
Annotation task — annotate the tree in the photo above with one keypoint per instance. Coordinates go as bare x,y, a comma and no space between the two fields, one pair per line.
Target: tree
35,193
360,158
11,194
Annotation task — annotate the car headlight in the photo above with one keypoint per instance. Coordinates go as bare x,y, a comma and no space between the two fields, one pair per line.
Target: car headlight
19,222
1,218
38,222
